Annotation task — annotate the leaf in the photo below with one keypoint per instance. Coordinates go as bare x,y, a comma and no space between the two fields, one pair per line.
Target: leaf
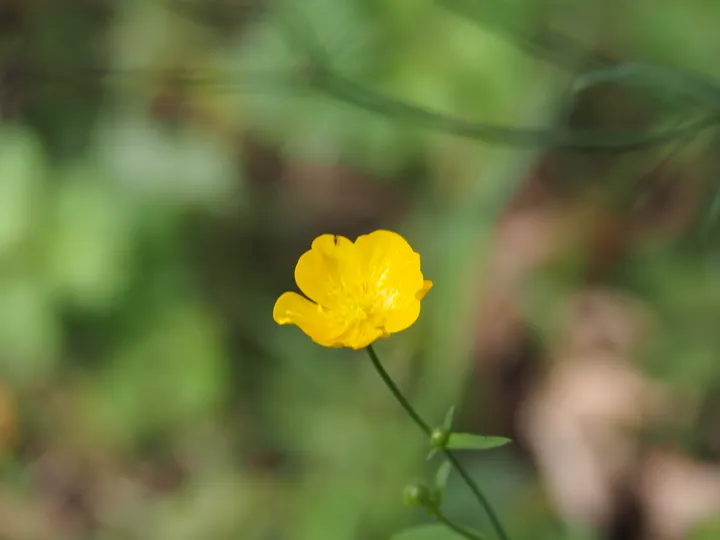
441,478
428,532
90,241
22,174
165,378
469,441
447,424
30,330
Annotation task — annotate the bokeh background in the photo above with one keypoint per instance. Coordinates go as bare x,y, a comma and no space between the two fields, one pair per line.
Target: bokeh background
164,163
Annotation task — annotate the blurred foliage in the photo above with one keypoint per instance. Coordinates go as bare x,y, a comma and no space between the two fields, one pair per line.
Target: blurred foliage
160,171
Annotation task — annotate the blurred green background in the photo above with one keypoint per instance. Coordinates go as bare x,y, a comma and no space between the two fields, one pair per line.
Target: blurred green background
163,166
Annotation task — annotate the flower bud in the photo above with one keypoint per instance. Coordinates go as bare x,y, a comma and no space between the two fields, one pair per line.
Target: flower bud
417,495
439,437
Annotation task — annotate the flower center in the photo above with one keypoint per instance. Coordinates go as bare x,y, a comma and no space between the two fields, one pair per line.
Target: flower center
361,304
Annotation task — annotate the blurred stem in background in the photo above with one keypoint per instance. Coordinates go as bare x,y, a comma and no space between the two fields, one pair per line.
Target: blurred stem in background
479,495
318,73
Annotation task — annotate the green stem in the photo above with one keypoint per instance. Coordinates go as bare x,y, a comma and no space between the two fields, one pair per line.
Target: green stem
479,495
397,393
438,515
352,93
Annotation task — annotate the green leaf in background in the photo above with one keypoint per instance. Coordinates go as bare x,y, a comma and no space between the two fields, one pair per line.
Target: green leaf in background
90,240
428,532
30,334
468,441
165,379
190,168
441,478
22,174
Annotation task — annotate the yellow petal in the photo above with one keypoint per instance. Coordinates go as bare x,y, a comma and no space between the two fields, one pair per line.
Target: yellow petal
398,320
391,269
427,285
360,335
360,291
324,272
312,319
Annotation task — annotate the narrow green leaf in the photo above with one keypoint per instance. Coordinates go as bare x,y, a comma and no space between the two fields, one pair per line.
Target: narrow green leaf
447,424
469,441
431,453
428,532
441,477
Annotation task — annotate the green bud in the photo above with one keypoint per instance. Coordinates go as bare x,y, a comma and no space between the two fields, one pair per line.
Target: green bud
417,495
439,437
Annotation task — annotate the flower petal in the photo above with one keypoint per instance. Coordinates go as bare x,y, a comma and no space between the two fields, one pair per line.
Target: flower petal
401,319
324,272
427,285
360,335
312,319
391,269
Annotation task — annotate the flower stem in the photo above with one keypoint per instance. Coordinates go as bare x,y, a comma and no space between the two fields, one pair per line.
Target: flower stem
479,495
481,498
440,517
396,392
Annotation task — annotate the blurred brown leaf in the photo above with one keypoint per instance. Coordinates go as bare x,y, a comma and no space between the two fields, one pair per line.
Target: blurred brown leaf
9,435
678,494
579,421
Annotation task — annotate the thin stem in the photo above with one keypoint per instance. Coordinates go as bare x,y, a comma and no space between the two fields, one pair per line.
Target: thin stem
438,515
352,93
396,392
479,495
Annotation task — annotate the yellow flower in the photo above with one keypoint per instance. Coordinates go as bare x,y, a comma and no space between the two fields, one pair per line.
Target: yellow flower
360,291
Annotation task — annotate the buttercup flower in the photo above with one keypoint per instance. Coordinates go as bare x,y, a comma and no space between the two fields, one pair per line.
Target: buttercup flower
358,291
